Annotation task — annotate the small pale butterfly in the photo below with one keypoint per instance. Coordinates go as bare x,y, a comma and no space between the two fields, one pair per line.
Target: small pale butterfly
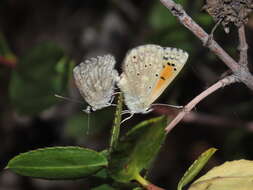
147,71
95,80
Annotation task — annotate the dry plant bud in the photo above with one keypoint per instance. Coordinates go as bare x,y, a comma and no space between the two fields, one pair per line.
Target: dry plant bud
229,11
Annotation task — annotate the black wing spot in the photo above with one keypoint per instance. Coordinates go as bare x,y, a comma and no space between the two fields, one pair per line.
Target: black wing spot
162,78
165,58
138,74
156,75
173,64
168,63
149,87
145,65
175,69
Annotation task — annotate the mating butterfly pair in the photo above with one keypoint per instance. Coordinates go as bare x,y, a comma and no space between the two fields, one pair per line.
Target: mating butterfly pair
147,71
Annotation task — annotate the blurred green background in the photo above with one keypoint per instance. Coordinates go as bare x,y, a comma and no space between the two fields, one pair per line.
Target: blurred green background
41,41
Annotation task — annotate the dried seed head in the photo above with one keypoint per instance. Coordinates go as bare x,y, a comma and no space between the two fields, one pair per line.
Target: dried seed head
229,11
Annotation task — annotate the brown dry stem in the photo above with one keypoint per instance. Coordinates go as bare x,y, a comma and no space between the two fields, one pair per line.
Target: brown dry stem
239,70
243,46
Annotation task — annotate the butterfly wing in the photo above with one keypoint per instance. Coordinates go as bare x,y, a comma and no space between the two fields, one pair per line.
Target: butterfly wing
173,61
141,69
95,80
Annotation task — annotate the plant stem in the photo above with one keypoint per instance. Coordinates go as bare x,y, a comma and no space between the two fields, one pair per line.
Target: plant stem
116,124
243,46
141,180
241,72
221,83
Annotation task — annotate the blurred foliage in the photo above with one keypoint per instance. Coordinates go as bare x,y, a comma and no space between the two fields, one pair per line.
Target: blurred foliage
5,50
40,74
103,187
81,125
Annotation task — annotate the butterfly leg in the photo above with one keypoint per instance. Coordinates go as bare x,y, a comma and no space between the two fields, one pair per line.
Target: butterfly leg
131,115
87,110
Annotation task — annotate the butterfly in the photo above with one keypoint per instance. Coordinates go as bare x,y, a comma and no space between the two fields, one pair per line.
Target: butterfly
95,79
147,71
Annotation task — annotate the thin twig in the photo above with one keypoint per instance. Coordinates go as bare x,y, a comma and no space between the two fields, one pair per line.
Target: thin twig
240,71
221,83
243,46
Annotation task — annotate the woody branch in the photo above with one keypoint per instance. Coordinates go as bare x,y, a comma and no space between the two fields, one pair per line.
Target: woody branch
243,46
240,70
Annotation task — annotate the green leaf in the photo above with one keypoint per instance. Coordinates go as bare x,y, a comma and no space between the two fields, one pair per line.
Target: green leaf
43,72
137,149
160,17
233,175
81,126
102,174
116,124
103,187
58,163
195,168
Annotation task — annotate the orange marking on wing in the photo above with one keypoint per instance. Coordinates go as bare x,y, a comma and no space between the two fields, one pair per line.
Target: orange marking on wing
166,73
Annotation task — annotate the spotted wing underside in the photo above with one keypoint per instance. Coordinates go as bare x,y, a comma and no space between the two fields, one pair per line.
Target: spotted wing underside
147,71
141,69
95,80
173,61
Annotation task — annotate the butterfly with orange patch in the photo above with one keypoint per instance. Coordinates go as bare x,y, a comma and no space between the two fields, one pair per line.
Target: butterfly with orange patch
147,71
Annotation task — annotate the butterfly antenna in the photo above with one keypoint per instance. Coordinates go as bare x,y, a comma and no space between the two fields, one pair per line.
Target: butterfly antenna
68,99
